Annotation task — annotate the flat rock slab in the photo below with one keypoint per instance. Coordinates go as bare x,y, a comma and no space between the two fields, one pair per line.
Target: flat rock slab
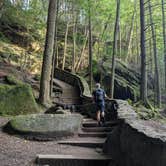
46,125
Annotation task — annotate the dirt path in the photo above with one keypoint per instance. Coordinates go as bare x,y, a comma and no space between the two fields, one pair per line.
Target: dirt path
16,151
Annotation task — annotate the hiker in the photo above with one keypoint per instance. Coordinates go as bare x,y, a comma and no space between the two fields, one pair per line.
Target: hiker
99,100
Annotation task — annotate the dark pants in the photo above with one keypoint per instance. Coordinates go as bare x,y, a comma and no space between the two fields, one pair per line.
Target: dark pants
100,106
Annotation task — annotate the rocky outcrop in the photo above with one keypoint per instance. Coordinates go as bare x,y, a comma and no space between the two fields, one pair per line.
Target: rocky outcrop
16,97
127,80
45,126
136,142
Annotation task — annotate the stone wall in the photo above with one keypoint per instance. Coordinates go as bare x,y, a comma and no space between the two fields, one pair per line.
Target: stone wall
136,142
74,80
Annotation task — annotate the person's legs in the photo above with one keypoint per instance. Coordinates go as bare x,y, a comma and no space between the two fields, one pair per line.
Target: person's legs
98,116
103,113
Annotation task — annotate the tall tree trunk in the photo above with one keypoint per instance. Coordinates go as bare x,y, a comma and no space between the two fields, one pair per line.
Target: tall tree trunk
143,88
65,46
44,95
158,91
55,55
90,49
164,35
115,48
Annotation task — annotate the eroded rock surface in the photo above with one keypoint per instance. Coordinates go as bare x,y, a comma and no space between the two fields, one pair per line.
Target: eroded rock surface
137,142
127,79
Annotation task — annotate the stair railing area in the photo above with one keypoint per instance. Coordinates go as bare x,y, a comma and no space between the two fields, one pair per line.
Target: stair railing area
75,81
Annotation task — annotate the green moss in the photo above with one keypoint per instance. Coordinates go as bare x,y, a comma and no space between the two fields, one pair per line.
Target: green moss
13,81
16,100
43,123
147,112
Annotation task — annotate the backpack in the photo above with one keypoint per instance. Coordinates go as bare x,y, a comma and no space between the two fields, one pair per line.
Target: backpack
99,95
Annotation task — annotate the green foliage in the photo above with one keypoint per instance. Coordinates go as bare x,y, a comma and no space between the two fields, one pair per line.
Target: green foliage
148,113
33,18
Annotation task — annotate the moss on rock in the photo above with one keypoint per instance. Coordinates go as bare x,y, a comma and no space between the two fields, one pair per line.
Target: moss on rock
17,99
46,125
13,81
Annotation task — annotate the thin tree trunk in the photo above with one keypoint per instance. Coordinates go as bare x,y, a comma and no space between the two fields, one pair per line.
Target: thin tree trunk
158,91
143,88
82,54
164,35
74,43
90,49
115,48
120,41
137,40
131,33
44,95
65,46
151,56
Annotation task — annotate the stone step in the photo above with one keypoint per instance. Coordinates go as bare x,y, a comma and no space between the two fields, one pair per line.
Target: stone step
97,129
89,120
93,134
74,160
94,123
84,142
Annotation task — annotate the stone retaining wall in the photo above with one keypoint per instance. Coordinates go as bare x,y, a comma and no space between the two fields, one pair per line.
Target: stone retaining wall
136,142
76,81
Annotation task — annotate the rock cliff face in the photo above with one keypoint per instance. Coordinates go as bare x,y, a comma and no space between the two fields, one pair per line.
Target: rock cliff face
136,142
127,80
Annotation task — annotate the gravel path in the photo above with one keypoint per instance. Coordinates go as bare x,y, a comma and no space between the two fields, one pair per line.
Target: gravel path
15,151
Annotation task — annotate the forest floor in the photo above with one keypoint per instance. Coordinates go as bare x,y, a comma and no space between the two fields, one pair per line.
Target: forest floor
15,151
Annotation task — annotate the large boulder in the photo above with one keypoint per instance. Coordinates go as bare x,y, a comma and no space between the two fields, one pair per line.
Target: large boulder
45,126
16,98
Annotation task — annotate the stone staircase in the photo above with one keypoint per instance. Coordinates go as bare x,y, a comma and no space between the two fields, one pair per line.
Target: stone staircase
91,137
65,93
